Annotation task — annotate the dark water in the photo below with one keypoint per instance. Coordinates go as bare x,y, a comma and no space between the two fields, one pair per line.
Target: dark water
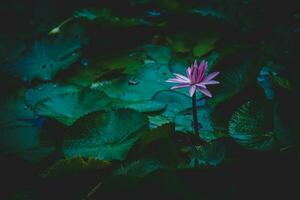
86,112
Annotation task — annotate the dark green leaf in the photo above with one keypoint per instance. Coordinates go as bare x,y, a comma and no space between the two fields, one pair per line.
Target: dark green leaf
250,127
67,108
106,135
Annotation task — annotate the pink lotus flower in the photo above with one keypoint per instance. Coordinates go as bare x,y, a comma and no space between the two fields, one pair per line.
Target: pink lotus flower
195,79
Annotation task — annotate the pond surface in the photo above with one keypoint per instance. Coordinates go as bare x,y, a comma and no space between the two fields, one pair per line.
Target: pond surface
162,99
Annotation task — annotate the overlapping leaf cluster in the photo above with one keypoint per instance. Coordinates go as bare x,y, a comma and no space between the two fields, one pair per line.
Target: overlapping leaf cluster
91,96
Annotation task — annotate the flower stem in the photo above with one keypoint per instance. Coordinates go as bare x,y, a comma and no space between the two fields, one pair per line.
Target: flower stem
195,116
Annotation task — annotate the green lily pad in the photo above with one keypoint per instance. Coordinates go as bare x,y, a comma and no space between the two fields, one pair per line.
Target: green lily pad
106,135
19,135
158,120
149,80
175,102
142,106
47,57
250,127
104,66
47,90
234,80
69,107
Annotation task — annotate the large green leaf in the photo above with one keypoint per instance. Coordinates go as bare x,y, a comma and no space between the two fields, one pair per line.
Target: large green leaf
175,103
47,90
251,127
231,83
106,135
47,57
142,106
149,80
20,132
103,66
67,108
235,74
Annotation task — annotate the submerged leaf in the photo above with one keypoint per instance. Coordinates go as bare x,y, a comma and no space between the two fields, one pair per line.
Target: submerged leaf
236,79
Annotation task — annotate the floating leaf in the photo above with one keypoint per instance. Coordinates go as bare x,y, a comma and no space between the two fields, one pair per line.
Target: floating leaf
47,57
250,127
47,90
142,106
67,108
106,135
158,120
236,79
20,131
175,102
104,67
149,80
